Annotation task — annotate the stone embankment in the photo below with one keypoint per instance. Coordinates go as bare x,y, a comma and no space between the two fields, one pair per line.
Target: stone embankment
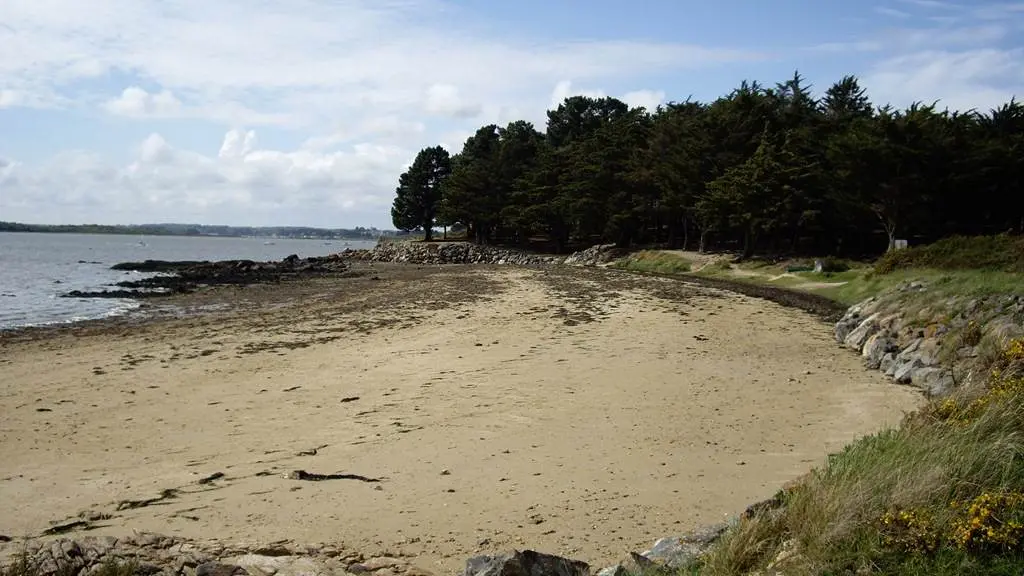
154,554
931,342
467,253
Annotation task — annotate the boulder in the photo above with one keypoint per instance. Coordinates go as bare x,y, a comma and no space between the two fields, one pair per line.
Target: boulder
877,347
888,364
934,381
677,553
905,368
525,563
220,569
855,340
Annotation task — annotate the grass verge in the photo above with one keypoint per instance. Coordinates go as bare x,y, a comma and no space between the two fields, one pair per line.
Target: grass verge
655,262
943,494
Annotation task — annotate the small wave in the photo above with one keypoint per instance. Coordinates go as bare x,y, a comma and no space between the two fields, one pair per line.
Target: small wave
120,308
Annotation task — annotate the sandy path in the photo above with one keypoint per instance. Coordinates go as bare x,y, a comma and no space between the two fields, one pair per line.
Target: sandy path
586,426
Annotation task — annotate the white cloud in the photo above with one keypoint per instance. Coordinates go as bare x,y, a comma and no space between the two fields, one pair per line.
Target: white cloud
444,100
981,78
303,62
9,98
649,99
891,12
564,89
243,184
138,103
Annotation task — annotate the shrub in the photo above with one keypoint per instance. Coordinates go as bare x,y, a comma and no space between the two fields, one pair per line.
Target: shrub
996,253
832,265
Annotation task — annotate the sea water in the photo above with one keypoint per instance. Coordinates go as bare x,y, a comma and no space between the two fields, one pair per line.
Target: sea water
35,269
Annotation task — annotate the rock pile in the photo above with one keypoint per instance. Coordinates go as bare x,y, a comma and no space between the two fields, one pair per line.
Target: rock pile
595,255
179,277
922,348
447,253
154,554
158,555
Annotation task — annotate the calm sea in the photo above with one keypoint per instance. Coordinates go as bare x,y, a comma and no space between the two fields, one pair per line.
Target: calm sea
36,268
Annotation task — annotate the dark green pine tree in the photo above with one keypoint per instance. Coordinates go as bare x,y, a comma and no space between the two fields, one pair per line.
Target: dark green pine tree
419,191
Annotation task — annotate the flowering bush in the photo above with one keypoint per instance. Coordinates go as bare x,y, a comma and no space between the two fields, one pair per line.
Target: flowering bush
1005,380
990,523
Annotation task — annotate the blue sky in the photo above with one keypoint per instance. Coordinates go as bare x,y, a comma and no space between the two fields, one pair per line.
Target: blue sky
304,112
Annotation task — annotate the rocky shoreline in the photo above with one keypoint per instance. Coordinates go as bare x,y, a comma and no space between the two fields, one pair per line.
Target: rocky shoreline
183,277
156,554
933,348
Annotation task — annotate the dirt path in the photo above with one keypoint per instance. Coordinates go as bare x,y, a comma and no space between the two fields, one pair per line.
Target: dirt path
584,413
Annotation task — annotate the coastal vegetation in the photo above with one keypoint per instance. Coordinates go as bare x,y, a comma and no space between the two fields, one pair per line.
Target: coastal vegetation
942,494
764,169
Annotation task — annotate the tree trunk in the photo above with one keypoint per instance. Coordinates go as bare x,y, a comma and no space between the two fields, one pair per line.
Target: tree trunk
748,243
703,237
446,232
428,231
686,233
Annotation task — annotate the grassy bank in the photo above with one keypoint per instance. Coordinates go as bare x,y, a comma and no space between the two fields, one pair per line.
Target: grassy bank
941,495
655,262
956,266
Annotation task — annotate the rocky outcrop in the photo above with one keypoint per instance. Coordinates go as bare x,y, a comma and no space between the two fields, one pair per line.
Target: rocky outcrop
595,255
670,555
154,554
927,341
180,277
525,563
447,253
159,555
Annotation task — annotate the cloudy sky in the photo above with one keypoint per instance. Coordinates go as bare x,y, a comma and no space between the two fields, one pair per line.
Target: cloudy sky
304,112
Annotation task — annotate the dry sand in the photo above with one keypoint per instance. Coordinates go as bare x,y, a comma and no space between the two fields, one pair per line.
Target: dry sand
578,412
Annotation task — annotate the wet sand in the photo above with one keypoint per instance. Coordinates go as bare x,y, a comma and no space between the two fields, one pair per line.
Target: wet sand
450,410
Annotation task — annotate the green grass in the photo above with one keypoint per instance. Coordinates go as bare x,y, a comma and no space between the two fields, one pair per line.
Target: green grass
654,261
954,450
1001,253
862,282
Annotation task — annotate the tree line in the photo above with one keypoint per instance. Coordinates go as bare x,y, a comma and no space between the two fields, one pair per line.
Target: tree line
764,168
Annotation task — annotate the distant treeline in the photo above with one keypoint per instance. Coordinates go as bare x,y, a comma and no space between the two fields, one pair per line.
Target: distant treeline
760,169
358,233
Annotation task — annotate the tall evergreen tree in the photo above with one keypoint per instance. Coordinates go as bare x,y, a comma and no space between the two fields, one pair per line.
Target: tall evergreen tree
419,191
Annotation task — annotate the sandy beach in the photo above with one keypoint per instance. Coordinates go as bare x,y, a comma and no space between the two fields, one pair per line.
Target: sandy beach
449,410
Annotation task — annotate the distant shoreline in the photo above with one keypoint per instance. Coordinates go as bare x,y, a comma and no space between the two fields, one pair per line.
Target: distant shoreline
204,231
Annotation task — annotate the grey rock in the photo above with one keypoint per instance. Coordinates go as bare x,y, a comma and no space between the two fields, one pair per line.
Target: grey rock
912,348
855,340
888,364
594,256
934,381
219,569
638,564
616,570
876,348
525,563
684,551
906,367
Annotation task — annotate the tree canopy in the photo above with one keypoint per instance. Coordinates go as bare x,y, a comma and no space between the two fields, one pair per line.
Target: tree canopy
759,169
419,191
